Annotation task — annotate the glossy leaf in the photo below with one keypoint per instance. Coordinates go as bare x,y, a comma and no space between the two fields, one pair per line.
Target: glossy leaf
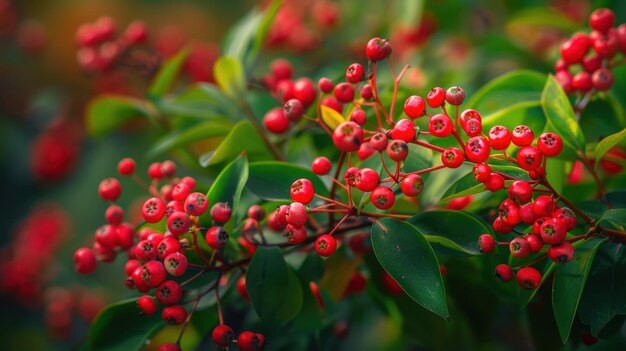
607,144
120,327
555,173
201,101
106,113
561,116
568,285
331,117
241,138
185,137
408,257
229,184
167,74
613,218
271,180
292,300
455,230
229,76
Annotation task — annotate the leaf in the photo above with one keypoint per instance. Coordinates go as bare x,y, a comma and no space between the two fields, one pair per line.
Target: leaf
331,117
268,280
542,17
568,285
106,113
229,184
607,144
167,74
456,230
408,12
119,327
203,101
242,137
516,87
603,296
229,76
561,116
188,136
555,172
406,255
271,180
615,218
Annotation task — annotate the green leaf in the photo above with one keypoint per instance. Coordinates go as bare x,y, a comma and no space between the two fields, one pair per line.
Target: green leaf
568,285
331,117
188,136
603,296
229,184
561,116
555,172
241,138
517,87
542,16
607,144
167,74
265,281
106,113
456,230
271,180
119,327
229,76
614,218
406,255
292,303
202,101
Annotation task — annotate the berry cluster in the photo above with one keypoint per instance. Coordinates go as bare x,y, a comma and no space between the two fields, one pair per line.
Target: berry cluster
587,59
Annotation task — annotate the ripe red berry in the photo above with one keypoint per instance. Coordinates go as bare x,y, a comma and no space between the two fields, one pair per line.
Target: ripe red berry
275,121
136,33
196,204
414,106
602,20
565,80
621,37
153,210
377,49
146,251
344,92
481,172
528,278
152,273
216,237
84,261
178,223
582,81
147,305
561,253
522,135
106,236
404,130
529,158
114,214
293,110
455,95
534,243
382,197
536,227
486,243
526,213
241,288
553,231
440,125
509,212
220,212
169,292
348,136
321,165
379,141
173,206
304,90
495,182
223,335
296,214
592,63
256,212
471,122
325,245
249,341
355,73
180,192
575,49
168,169
358,116
520,191
168,246
302,191
397,150
567,216
602,79
295,235
519,247
412,185
452,157
543,206
126,166
154,170
369,179
499,138
366,92
477,149
169,346
176,264
110,189
365,151
174,314
326,85
504,272
550,144
436,97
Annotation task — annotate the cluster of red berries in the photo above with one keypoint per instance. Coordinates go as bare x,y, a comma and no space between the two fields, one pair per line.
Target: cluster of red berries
587,59
100,48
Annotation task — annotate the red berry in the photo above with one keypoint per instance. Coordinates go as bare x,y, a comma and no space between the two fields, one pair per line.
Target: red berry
348,136
534,243
275,121
404,130
106,236
477,149
481,172
536,227
130,266
168,169
522,135
565,80
223,335
176,264
412,185
295,235
216,237
136,32
180,192
471,122
377,49
302,191
355,73
281,69
174,314
553,231
520,191
529,158
602,79
550,144
486,243
495,182
519,247
528,278
379,141
84,261
169,292
561,253
543,206
440,125
452,157
146,251
368,179
321,165
360,243
499,138
152,273
241,288
114,215
592,63
281,215
397,150
509,212
154,171
330,101
168,246
358,116
344,92
455,95
249,341
296,214
325,245
147,305
110,189
567,216
196,204
504,272
220,212
582,81
256,212
414,106
304,90
325,85
173,206
169,346
526,213
436,97
602,20
126,166
293,110
365,151
621,37
189,181
391,284
178,223
366,92
382,197
153,210
575,49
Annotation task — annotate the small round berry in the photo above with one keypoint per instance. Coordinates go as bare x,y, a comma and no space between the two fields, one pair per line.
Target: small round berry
391,284
436,97
136,32
602,20
477,149
147,305
452,157
84,261
153,273
146,251
352,176
295,235
241,288
106,236
344,92
221,212
602,79
168,246
325,245
575,49
550,144
330,101
223,335
414,106
189,181
256,212
568,217
522,135
154,171
369,179
130,266
543,206
504,272
304,90
326,85
509,212
348,136
553,231
582,81
283,90
520,191
173,206
404,130
114,215
365,151
440,125
178,223
169,346
383,197
196,204
366,92
499,138
592,63
174,314
281,215
358,116
302,191
377,49
180,192
109,189
293,110
528,278
176,264
536,225
565,80
216,237
412,185
169,292
296,214
455,95
561,253
379,141
534,243
321,165
355,73
153,210
397,150
529,158
249,341
526,213
275,121
168,169
519,247
126,166
495,182
486,243
471,122
481,172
